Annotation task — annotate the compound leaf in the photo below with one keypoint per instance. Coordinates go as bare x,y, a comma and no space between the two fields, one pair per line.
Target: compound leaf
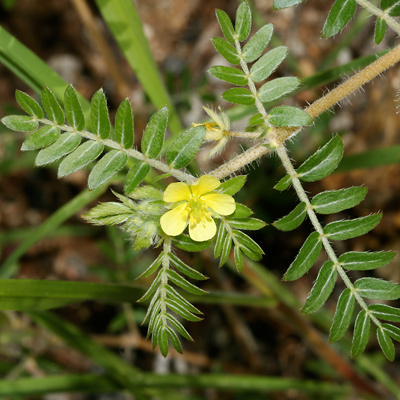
28,104
41,138
361,334
362,261
153,136
73,109
373,288
99,118
293,220
343,315
257,43
341,13
268,63
124,124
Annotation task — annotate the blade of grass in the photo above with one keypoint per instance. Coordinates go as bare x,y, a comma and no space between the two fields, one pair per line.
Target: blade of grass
124,22
50,225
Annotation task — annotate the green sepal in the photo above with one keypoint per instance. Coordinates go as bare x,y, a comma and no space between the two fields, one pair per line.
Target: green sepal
135,176
385,343
52,107
343,315
28,104
361,334
275,89
124,124
385,312
99,118
322,288
239,96
341,13
20,123
233,185
323,161
347,229
284,183
79,158
73,109
153,135
229,74
281,4
226,50
334,201
243,21
184,242
378,289
226,26
363,260
268,63
111,163
305,259
41,138
185,147
66,143
257,43
293,220
380,30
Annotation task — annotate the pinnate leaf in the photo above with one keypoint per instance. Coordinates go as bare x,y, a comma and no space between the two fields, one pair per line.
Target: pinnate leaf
277,88
153,136
52,107
73,109
305,259
226,50
41,138
239,96
99,118
243,21
385,312
361,334
185,147
361,261
135,176
334,201
28,104
229,74
343,315
323,161
293,220
342,230
20,123
341,13
379,289
106,168
322,288
124,124
226,26
257,43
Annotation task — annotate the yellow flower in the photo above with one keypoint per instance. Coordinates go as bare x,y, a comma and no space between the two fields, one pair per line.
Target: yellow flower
196,204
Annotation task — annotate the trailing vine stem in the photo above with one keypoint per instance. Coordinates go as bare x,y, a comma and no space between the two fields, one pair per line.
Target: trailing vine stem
314,110
282,153
180,175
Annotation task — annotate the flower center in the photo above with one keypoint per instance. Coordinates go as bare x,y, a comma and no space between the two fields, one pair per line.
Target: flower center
197,209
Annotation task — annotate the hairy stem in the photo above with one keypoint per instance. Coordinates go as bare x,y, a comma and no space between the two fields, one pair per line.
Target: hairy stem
164,279
180,175
281,151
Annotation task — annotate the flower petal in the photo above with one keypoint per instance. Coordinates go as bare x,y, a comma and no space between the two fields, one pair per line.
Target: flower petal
174,222
205,184
177,192
203,230
222,204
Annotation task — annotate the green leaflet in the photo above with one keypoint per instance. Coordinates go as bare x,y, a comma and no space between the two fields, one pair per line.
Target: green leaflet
73,109
106,168
385,312
392,331
67,142
243,21
256,119
284,183
226,26
361,261
268,63
322,162
343,315
239,96
52,107
322,288
79,158
249,224
184,242
219,241
28,104
153,135
385,343
241,211
233,185
248,245
340,14
41,138
135,176
108,213
373,288
20,123
334,201
225,249
392,7
305,259
361,334
185,147
342,230
380,30
183,283
257,43
293,220
124,124
226,50
275,89
185,269
99,118
229,74
238,258
280,4
289,116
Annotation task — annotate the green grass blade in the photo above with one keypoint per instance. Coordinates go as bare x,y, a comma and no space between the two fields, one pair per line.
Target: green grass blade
50,225
123,20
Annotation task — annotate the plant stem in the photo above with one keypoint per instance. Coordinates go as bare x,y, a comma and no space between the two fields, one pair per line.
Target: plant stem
281,151
164,279
180,175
